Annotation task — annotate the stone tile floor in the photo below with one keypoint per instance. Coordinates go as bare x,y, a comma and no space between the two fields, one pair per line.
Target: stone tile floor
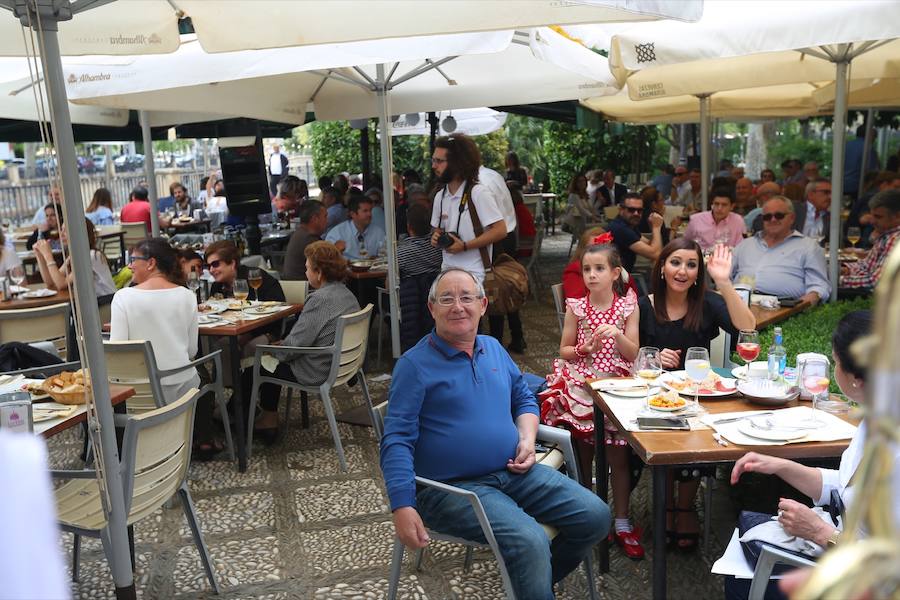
294,527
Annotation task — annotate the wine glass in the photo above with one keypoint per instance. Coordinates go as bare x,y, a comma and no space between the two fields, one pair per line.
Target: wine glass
854,235
193,281
648,366
814,379
254,278
240,290
17,275
748,347
696,365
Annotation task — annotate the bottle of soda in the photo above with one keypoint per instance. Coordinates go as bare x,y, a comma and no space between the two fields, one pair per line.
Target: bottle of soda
777,356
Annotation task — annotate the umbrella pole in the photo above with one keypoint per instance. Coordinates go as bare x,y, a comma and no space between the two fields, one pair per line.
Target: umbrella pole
150,171
839,132
118,551
867,148
704,150
390,222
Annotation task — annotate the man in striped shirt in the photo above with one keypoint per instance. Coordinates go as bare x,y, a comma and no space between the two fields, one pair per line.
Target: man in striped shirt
415,254
885,210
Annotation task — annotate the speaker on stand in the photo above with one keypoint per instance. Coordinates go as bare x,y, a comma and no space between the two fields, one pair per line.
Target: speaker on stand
246,187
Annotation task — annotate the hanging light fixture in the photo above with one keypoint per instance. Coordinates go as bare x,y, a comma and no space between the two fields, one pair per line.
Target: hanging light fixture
449,123
412,119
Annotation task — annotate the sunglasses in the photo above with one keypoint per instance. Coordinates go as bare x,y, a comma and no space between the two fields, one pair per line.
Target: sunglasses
213,264
778,216
632,209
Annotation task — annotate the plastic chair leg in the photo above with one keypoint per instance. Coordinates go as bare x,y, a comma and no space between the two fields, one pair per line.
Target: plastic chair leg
469,559
304,410
188,506
420,556
287,411
226,421
332,422
254,400
707,512
589,575
396,564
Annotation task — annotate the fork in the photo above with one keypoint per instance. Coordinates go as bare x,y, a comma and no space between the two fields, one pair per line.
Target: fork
770,424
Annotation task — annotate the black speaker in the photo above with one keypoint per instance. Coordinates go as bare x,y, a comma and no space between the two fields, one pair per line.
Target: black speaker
244,173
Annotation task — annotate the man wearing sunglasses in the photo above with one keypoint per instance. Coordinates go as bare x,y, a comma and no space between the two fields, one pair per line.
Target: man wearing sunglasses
783,261
627,237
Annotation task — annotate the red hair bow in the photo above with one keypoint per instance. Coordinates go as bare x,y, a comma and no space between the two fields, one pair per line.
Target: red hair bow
603,238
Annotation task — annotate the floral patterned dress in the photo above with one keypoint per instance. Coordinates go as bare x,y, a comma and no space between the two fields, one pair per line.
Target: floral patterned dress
566,401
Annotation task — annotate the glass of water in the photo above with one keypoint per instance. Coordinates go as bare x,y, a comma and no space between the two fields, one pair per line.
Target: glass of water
696,365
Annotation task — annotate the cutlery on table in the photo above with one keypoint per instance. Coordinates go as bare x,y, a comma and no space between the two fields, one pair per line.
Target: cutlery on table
741,418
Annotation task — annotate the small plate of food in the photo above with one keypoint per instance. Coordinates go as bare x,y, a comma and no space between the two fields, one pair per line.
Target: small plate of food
211,308
712,386
667,401
629,387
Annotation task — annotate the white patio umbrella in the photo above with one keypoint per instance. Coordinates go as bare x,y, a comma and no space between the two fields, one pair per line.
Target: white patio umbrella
470,121
426,73
748,44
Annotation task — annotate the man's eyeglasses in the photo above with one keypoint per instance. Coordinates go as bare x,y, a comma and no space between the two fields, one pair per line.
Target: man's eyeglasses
213,264
633,210
778,216
438,161
465,300
133,258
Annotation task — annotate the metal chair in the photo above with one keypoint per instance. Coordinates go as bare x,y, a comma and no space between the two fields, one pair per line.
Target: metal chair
560,303
348,352
156,452
134,233
561,453
530,262
133,363
383,311
768,558
43,324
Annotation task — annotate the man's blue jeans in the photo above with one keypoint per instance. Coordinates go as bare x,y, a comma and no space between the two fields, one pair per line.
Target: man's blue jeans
515,505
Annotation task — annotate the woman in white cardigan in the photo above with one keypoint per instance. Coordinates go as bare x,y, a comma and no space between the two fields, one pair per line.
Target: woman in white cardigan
160,310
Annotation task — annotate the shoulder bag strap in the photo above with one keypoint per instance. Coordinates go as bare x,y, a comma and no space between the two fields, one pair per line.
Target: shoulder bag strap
476,226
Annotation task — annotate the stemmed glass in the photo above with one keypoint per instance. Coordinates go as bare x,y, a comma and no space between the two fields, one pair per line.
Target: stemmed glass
17,275
696,365
193,281
648,366
254,277
240,290
748,347
854,235
814,379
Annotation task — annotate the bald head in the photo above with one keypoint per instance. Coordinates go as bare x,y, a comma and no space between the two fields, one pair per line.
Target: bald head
767,189
743,190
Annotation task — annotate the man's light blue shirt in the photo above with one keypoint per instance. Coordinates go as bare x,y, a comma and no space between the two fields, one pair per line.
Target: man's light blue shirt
373,238
790,269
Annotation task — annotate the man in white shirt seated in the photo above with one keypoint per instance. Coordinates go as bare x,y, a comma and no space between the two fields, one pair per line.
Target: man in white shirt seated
358,238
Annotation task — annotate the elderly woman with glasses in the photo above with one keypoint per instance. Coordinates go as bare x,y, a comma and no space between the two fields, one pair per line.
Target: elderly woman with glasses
326,269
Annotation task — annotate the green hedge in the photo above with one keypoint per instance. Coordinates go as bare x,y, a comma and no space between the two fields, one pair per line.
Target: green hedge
809,331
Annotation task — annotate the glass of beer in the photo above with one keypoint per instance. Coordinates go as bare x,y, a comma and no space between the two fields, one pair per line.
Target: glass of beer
240,290
254,278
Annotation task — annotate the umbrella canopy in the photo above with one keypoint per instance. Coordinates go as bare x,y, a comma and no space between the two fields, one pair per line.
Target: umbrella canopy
738,45
431,74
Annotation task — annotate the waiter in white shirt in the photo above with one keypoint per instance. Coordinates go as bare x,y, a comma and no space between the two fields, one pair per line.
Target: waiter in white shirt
278,168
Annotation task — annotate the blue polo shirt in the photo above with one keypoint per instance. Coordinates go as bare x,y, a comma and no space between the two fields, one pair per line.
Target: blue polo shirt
450,416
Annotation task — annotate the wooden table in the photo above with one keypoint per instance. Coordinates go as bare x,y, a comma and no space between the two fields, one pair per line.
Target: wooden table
663,450
117,394
766,317
60,297
370,274
232,332
202,225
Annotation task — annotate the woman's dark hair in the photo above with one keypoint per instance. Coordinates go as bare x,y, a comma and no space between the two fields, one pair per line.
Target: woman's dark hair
101,197
573,184
649,196
58,211
463,156
613,260
188,255
512,161
91,234
850,328
165,255
770,172
694,317
325,257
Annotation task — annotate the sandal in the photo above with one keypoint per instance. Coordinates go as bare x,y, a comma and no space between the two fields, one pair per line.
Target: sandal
686,541
205,451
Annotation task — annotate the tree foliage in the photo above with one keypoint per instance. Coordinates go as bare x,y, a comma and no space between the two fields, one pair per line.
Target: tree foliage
335,148
493,147
526,138
569,150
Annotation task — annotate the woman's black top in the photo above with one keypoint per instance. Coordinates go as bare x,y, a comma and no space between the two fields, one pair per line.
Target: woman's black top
673,334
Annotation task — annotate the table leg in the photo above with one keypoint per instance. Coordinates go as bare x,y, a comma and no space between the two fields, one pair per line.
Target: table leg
553,216
659,532
237,401
601,472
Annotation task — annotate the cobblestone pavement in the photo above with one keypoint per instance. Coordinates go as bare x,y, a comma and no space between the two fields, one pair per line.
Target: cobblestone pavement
294,526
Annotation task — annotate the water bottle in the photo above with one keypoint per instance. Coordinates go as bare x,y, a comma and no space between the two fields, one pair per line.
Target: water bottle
777,356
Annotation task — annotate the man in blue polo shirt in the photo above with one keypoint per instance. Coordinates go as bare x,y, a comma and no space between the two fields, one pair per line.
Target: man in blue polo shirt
460,412
357,237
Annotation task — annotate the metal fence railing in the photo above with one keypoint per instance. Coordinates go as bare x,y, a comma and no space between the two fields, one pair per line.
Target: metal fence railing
19,202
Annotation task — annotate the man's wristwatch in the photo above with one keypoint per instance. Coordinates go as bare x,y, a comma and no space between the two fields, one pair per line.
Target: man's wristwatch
465,247
833,539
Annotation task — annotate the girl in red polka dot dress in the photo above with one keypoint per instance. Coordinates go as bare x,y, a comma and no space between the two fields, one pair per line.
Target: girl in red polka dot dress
600,334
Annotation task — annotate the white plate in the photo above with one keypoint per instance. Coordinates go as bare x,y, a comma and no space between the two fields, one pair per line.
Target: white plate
671,409
666,378
45,293
772,435
263,310
206,319
214,309
615,387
